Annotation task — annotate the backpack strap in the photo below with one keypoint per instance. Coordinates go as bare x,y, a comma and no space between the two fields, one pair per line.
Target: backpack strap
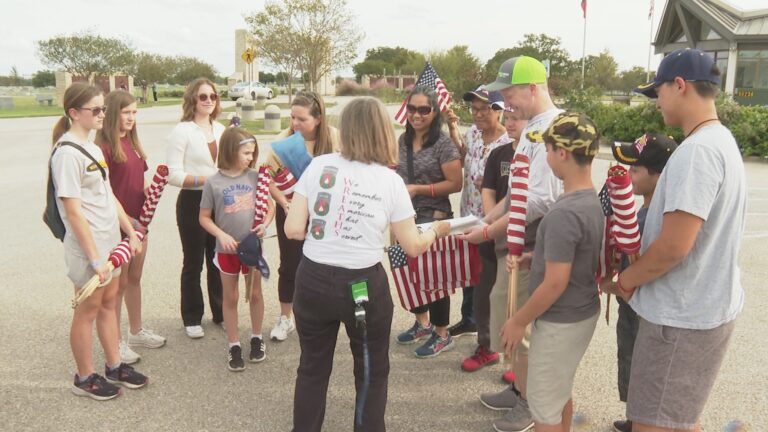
83,151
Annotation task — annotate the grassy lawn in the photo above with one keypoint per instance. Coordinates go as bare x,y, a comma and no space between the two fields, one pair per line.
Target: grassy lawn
27,106
256,127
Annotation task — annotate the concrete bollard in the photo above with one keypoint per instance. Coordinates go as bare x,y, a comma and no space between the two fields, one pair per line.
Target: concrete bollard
239,107
272,118
249,110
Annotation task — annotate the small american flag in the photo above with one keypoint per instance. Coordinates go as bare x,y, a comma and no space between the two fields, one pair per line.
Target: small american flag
285,181
624,230
650,11
447,265
429,79
518,204
606,247
262,197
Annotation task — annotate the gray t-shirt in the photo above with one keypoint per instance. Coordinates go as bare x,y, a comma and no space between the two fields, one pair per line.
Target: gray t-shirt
704,177
571,233
427,169
233,202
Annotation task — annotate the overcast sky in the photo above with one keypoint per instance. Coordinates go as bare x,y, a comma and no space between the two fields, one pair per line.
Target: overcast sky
205,29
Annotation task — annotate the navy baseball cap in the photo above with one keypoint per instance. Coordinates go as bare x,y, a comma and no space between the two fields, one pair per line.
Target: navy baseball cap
494,98
688,64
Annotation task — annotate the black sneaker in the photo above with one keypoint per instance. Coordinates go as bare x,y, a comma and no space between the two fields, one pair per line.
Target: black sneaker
235,359
96,387
622,426
258,350
126,376
462,328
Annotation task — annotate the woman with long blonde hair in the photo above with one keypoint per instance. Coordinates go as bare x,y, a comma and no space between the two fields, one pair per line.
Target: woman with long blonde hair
191,158
127,163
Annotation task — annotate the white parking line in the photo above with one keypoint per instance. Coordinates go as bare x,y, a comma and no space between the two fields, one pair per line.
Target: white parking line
755,234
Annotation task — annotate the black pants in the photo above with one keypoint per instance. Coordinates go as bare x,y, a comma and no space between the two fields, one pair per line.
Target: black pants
627,326
482,298
323,302
440,310
290,256
197,245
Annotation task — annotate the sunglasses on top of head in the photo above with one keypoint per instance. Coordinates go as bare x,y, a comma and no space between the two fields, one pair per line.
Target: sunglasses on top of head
423,110
95,110
204,97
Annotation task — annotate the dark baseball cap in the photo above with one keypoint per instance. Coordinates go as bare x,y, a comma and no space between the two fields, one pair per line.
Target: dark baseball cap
652,150
688,64
519,70
494,98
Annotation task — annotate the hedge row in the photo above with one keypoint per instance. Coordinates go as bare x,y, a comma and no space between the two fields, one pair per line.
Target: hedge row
749,124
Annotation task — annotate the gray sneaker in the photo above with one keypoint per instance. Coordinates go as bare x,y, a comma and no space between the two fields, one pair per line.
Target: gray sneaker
518,419
503,400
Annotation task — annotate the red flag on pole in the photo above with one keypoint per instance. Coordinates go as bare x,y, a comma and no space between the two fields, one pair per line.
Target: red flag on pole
584,8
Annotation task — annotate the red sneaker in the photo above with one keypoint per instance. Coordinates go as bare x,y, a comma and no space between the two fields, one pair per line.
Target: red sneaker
508,377
481,358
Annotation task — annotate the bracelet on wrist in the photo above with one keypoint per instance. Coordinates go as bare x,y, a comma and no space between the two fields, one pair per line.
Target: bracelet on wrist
485,233
621,287
432,190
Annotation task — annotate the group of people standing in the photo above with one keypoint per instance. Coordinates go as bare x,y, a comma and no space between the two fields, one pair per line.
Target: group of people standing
359,181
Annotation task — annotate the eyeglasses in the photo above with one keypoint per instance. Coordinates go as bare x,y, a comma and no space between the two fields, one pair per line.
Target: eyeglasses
423,110
96,111
479,110
204,97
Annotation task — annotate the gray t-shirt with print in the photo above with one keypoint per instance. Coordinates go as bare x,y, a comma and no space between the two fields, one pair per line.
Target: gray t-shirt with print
427,169
704,177
233,202
571,233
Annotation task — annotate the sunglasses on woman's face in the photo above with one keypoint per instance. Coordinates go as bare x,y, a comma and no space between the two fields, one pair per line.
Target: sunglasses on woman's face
96,111
423,110
204,97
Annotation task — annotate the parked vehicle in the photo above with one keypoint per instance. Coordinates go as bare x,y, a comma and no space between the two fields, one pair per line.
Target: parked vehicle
252,88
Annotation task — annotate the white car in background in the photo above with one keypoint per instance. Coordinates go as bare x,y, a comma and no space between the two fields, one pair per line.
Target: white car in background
252,88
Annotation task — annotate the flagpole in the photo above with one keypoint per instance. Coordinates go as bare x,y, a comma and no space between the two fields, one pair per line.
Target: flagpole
584,50
650,45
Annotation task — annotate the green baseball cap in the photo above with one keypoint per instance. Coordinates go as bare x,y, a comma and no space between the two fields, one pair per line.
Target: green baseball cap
519,70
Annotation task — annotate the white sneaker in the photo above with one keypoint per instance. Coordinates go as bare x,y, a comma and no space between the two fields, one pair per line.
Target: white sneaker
283,326
146,338
195,332
127,355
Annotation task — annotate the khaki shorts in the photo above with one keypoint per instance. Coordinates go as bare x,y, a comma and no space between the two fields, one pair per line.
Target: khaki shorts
673,371
79,269
555,353
499,300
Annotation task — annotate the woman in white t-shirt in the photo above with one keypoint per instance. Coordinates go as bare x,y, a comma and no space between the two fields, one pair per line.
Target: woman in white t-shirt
93,219
341,208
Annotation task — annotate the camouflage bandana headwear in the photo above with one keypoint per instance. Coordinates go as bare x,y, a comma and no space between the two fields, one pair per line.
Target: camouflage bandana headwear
574,132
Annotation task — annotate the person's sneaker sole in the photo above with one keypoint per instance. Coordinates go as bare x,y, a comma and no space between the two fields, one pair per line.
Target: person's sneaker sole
463,334
130,361
527,428
488,363
148,344
250,360
445,348
231,369
77,391
129,385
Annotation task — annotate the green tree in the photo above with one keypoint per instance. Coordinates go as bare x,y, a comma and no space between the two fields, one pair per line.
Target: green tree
540,47
389,59
629,79
186,69
601,72
15,77
86,54
150,68
44,78
458,68
309,36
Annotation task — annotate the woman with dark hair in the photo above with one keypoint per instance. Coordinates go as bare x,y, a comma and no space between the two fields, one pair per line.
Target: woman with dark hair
308,119
429,163
191,158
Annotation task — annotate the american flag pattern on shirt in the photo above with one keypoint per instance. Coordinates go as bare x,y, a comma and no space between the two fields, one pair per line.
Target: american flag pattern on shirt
448,264
429,79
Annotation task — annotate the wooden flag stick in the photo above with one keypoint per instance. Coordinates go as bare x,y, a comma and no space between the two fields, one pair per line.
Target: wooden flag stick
509,360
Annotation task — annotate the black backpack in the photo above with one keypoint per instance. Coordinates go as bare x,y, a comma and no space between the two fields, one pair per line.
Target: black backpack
51,215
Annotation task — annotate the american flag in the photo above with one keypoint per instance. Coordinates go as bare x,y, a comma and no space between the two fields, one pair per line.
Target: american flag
624,230
518,204
262,196
650,11
448,264
606,258
285,181
429,79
